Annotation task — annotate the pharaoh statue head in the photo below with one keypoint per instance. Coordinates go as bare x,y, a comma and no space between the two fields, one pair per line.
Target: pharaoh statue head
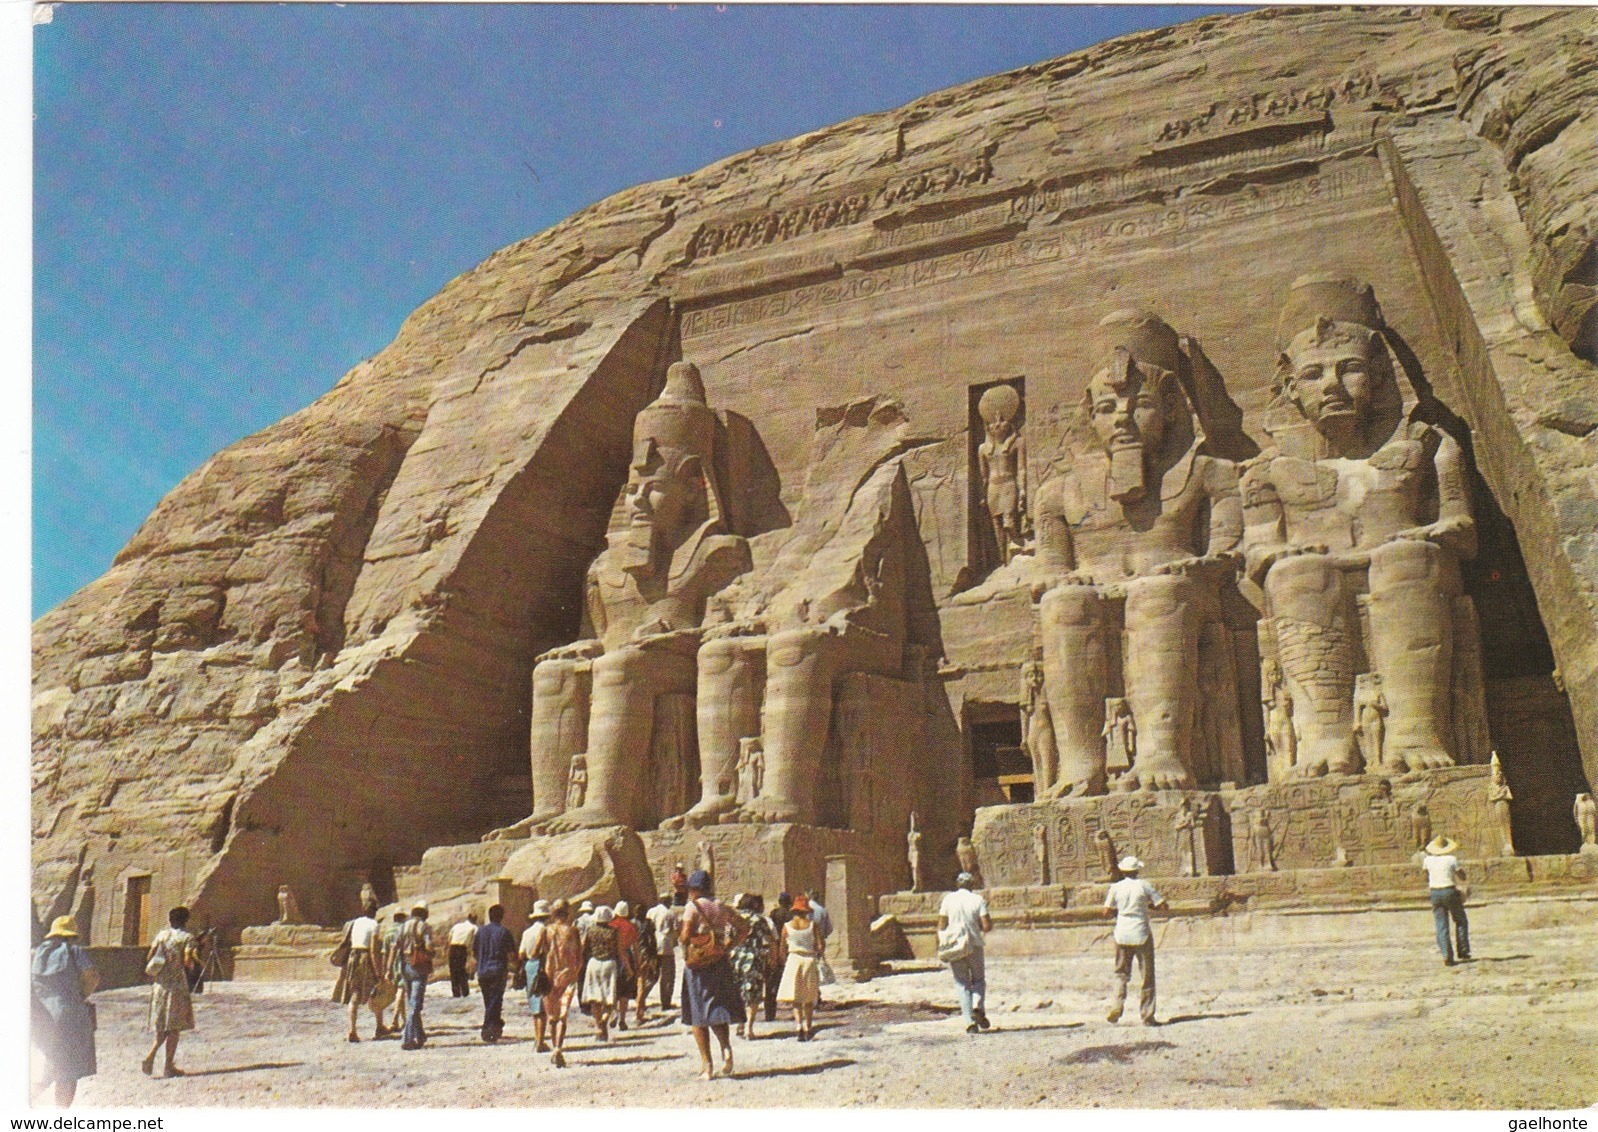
1334,367
1135,404
671,489
999,408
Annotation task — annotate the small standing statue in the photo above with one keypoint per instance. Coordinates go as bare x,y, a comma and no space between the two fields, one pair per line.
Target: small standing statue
966,853
707,859
1040,850
368,894
1586,814
1498,798
751,769
1037,732
1420,827
288,908
577,782
1105,844
1370,721
1281,741
912,852
1186,855
1261,851
1120,738
1002,462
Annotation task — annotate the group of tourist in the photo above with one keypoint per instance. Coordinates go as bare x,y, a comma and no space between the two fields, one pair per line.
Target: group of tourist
736,962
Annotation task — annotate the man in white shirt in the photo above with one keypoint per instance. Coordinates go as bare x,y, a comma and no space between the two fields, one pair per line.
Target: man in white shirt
1443,877
1129,900
963,922
666,920
461,938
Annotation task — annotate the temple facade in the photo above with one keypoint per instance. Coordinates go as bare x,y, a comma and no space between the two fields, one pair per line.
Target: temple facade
1190,465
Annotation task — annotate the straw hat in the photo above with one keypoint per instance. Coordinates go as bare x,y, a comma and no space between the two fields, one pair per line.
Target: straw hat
419,906
586,906
1440,846
540,910
604,914
63,927
623,909
561,905
1131,864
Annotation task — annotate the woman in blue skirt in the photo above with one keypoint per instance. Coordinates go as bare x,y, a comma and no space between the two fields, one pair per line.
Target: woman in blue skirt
712,999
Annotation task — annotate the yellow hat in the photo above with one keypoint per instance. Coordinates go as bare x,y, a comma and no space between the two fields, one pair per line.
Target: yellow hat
63,927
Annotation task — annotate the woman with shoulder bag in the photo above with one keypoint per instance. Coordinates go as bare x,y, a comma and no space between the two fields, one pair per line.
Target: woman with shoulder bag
63,978
171,1007
534,950
711,997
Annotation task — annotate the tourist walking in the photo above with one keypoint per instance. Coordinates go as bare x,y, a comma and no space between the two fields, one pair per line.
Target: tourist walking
627,973
603,962
62,980
492,948
532,953
963,924
800,986
666,919
563,956
393,972
711,1001
585,918
1446,881
648,960
823,921
461,938
363,970
415,959
171,1007
780,914
1129,901
751,959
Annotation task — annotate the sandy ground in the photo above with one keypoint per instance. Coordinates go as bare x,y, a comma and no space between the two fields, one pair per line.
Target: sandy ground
1306,1027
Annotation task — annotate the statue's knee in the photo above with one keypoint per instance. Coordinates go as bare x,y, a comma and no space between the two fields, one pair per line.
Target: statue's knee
793,649
1158,597
1302,574
1405,560
1072,605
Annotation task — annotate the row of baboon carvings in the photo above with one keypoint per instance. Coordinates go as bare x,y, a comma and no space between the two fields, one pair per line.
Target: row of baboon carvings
1180,576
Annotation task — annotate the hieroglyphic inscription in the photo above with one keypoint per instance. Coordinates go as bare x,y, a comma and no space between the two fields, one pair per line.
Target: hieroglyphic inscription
1067,241
775,227
1264,106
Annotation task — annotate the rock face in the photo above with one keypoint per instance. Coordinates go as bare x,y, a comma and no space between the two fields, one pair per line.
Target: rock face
315,660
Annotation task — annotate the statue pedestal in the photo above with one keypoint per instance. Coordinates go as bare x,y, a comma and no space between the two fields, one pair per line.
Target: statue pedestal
1043,843
785,857
1371,819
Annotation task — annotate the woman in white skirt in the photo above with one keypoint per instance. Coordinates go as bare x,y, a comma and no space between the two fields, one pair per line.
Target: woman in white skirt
602,971
801,974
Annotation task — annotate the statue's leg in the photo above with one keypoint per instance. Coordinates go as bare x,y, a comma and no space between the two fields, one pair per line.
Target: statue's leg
620,729
732,679
559,730
801,665
1080,652
1412,589
1316,649
1162,688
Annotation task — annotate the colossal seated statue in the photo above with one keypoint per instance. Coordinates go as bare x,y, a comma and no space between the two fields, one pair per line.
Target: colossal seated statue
1140,528
646,595
1355,525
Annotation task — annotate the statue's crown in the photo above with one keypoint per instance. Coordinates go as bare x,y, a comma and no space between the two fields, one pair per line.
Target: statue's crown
1147,337
679,418
1332,297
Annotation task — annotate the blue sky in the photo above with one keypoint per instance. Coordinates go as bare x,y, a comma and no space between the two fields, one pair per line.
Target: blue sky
235,203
